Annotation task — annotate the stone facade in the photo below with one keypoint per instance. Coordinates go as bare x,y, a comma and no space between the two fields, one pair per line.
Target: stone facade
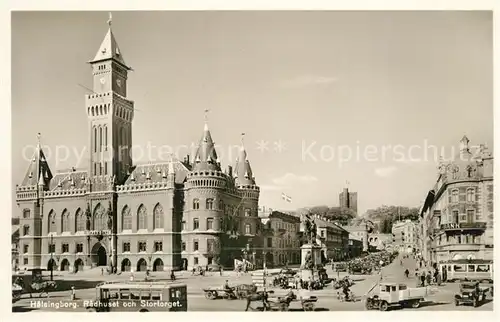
333,239
457,217
405,236
168,215
281,238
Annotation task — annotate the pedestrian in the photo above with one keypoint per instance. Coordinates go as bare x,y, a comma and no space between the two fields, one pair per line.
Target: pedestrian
422,279
193,271
220,270
429,278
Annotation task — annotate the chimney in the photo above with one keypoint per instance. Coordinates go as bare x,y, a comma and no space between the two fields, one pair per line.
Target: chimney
187,159
230,170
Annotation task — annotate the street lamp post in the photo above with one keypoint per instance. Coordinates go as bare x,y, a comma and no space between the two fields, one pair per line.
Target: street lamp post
51,258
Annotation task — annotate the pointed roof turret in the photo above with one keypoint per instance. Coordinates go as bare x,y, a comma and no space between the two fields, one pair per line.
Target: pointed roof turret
243,171
109,48
205,158
38,170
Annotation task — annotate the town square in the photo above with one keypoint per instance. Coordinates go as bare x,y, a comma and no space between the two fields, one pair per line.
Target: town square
252,161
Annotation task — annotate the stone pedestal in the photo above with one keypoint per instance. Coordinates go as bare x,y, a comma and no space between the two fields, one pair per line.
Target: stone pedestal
315,251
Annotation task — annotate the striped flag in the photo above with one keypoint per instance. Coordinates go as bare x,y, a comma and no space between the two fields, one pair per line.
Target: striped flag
286,197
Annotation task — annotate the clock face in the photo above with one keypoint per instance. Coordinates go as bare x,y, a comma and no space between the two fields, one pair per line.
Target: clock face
119,82
103,80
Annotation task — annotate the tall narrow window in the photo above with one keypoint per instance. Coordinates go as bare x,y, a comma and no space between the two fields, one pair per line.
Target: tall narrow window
196,204
196,223
105,138
65,221
80,220
100,138
126,219
210,204
95,139
248,230
158,217
52,222
470,195
454,196
141,217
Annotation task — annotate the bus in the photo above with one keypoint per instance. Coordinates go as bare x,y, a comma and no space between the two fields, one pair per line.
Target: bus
138,297
467,270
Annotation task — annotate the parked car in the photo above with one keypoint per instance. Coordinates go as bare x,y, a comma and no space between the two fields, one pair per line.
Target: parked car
471,293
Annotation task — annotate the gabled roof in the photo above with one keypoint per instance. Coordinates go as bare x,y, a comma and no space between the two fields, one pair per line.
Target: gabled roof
157,172
109,50
69,180
38,170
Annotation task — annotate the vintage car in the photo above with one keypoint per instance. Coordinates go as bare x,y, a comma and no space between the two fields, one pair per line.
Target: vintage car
396,295
471,293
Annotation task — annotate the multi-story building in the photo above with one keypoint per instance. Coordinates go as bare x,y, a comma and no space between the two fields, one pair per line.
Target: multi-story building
457,216
333,239
404,236
348,200
167,215
359,231
280,233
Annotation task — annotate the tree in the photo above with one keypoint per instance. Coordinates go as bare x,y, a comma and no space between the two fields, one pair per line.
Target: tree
387,215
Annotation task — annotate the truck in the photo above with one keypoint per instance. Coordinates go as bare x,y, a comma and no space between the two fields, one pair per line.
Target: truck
396,295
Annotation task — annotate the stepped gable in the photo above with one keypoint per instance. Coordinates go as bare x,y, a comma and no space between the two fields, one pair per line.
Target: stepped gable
157,172
67,180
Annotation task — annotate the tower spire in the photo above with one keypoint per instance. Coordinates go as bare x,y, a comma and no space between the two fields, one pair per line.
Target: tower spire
206,119
110,20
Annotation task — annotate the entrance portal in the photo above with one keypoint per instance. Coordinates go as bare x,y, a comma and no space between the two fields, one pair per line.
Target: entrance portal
99,255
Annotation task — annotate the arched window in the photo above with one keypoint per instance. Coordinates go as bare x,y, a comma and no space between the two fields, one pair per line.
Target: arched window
196,204
26,213
454,196
126,218
247,212
141,217
210,204
158,216
52,222
470,195
80,220
65,221
100,221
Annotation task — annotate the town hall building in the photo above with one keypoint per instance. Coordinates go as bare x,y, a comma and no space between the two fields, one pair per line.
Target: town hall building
176,214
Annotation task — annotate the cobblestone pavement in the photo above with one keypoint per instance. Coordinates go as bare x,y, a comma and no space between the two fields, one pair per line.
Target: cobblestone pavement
442,299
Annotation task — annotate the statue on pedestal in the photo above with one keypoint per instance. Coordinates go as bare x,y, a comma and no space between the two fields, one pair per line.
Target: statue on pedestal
310,230
88,215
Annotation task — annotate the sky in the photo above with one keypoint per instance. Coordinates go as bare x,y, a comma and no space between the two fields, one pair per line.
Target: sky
325,99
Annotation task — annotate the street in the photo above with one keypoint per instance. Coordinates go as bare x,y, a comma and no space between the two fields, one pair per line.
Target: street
442,299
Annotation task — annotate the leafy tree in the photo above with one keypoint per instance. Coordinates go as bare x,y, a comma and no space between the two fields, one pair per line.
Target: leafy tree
387,215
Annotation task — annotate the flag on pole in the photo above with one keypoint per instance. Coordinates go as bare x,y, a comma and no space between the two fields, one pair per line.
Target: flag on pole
286,197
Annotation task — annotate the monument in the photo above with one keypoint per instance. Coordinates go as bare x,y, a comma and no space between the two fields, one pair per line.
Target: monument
310,251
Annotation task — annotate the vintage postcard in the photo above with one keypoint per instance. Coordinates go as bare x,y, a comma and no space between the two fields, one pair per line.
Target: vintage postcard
252,161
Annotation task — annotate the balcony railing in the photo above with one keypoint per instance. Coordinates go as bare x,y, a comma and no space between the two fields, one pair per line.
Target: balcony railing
463,226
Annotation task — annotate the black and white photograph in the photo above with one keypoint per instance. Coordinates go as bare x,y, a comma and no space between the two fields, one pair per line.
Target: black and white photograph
252,161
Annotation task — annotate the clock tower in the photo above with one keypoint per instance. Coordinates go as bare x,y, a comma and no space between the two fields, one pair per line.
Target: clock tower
110,113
